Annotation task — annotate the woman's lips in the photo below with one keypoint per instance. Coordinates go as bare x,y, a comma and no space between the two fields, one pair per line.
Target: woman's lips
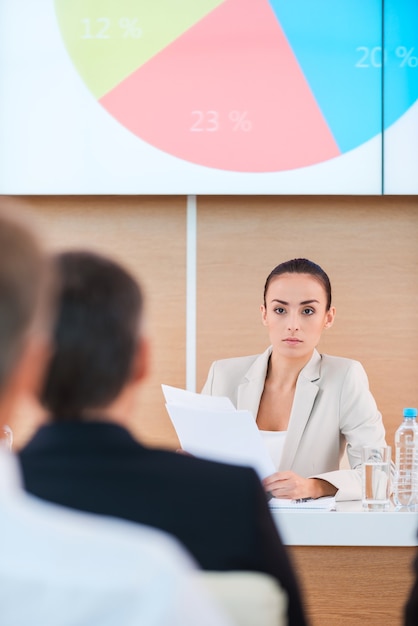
292,340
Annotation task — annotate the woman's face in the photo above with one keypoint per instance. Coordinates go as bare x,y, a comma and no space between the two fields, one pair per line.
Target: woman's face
295,314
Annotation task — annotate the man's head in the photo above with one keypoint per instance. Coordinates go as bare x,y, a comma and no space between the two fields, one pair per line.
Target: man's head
98,345
25,311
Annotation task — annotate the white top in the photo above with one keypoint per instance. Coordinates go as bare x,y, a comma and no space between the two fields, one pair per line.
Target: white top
64,568
274,442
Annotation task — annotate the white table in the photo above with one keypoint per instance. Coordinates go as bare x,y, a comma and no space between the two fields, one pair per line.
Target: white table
349,525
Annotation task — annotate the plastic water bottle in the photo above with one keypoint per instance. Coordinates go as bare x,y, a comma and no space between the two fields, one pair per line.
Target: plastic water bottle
405,489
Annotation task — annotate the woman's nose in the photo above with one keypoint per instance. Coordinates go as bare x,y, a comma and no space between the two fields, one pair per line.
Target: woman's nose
293,323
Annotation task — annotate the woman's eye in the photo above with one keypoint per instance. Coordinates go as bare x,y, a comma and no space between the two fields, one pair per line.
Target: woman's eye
308,311
280,310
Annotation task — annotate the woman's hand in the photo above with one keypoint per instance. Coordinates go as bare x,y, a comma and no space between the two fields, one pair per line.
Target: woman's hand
292,486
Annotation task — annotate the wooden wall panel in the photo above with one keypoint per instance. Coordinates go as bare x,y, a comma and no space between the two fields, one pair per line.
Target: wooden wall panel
367,245
147,235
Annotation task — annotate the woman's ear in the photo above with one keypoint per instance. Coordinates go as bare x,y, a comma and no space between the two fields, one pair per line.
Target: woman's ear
263,314
329,317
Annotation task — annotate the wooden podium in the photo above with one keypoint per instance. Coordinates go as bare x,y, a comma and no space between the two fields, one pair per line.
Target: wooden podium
354,566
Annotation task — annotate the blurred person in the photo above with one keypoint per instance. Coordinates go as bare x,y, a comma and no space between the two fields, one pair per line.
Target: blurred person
86,457
58,567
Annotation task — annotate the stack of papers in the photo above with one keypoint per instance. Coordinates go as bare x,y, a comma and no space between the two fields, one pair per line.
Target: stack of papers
212,428
326,503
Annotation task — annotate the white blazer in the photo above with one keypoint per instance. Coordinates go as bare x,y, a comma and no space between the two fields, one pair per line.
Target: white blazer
332,408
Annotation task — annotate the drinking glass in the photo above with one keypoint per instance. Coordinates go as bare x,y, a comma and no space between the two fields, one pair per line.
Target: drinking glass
376,462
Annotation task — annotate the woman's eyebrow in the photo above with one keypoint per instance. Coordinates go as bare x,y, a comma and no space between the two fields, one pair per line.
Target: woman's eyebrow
303,301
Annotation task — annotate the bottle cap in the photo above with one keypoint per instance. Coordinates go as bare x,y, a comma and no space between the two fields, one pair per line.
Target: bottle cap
410,412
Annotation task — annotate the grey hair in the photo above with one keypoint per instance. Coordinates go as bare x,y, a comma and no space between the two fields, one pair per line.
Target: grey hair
23,278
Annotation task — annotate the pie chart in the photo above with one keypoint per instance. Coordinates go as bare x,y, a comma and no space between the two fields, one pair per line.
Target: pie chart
245,85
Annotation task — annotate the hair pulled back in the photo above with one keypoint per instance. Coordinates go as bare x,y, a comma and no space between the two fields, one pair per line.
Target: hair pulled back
301,266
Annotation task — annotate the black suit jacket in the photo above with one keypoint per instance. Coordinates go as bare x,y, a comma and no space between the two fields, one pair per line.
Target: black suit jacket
218,511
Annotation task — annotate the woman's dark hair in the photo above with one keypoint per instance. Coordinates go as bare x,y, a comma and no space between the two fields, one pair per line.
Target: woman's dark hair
301,266
96,334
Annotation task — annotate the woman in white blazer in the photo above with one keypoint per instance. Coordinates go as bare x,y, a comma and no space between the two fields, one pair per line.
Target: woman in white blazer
309,407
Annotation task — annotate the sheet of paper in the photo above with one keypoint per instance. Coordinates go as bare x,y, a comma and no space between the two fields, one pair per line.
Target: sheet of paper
174,395
227,435
326,503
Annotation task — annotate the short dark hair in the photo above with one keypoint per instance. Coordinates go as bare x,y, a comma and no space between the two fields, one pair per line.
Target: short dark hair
96,334
301,266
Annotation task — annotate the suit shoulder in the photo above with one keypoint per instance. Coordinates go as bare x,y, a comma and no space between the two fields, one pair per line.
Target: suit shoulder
339,361
340,365
235,364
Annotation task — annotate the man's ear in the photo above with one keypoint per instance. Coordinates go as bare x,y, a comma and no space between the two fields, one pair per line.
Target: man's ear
27,376
142,358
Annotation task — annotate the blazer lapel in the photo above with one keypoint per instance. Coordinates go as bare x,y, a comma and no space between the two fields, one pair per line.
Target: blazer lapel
305,394
250,390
